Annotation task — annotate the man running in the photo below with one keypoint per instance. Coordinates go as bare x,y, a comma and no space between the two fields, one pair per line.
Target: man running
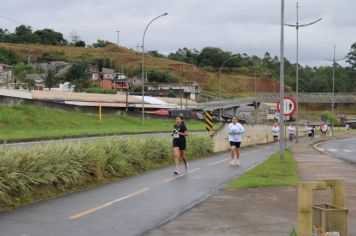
234,130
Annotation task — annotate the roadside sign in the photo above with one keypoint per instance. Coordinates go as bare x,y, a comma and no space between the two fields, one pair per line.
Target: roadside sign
289,106
208,121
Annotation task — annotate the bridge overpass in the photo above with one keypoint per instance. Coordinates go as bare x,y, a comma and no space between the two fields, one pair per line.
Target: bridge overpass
327,98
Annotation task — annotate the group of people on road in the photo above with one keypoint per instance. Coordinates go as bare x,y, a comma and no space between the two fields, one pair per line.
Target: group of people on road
180,132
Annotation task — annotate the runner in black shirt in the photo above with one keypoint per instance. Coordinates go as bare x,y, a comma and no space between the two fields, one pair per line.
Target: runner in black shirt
179,143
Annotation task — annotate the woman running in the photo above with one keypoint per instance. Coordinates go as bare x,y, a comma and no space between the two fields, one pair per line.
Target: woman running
179,144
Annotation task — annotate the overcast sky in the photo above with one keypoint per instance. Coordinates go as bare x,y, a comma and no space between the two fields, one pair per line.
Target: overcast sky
239,26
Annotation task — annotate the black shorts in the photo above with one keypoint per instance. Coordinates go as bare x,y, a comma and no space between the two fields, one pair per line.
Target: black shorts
236,144
180,144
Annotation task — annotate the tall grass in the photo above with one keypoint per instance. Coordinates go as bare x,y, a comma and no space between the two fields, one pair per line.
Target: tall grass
27,172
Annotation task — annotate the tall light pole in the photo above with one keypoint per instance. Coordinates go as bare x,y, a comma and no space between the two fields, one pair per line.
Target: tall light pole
143,65
297,26
333,89
281,87
118,37
222,65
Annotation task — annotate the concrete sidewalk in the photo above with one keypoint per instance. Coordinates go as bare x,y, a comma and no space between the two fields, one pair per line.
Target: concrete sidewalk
266,211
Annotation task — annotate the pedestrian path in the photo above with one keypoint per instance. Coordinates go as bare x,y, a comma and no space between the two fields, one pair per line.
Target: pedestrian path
266,211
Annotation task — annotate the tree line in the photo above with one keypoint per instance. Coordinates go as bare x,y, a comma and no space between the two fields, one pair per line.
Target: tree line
311,79
25,34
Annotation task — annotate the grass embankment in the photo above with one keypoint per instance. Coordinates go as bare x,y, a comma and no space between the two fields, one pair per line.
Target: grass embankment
28,175
24,122
272,172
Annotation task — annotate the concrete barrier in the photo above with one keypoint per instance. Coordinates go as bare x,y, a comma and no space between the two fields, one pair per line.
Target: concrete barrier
254,134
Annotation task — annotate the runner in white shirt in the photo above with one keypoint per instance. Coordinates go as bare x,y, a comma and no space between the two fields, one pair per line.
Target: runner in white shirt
234,130
291,132
275,132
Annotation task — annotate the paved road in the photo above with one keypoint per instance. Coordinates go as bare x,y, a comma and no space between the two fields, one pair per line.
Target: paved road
131,206
344,149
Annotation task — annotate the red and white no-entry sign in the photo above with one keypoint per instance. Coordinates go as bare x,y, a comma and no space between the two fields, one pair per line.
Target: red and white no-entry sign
289,106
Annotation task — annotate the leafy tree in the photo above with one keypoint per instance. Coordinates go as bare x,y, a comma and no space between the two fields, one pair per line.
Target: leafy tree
351,56
101,43
50,79
8,56
80,43
51,37
160,77
25,34
155,53
77,75
105,63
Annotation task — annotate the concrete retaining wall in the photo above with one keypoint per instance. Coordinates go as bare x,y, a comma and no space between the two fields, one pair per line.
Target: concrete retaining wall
254,134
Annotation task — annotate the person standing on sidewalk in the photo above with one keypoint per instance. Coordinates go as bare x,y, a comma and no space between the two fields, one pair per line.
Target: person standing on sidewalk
275,132
179,144
235,130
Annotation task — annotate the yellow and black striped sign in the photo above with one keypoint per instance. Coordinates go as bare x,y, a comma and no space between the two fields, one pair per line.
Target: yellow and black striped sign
208,121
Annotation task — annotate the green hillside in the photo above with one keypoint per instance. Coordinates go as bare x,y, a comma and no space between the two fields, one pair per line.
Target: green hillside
35,122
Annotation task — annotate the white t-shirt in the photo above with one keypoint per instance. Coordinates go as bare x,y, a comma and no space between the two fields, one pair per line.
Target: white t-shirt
234,131
309,130
291,130
275,131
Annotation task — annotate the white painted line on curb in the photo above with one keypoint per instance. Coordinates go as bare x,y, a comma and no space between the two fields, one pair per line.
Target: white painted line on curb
87,212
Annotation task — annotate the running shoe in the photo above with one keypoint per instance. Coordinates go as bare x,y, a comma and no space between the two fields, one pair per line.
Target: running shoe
176,172
238,162
187,168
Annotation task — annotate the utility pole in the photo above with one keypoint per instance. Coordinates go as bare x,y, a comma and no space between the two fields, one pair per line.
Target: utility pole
118,37
297,26
333,87
281,87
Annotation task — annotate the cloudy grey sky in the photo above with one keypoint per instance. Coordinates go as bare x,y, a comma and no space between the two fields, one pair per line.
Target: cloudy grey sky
239,26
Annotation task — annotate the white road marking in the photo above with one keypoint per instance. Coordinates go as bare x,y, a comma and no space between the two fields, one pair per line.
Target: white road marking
87,212
218,162
180,175
332,150
347,150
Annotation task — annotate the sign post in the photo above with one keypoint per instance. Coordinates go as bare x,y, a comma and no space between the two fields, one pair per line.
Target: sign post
289,106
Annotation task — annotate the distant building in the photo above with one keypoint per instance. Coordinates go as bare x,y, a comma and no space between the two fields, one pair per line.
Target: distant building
191,90
6,75
60,67
38,81
107,78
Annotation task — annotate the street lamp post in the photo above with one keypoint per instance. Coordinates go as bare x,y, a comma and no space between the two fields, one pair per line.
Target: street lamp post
333,89
297,26
143,65
118,37
281,87
222,65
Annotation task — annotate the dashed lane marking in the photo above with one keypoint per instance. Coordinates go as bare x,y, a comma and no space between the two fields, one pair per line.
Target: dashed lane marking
87,212
347,150
217,162
332,150
180,175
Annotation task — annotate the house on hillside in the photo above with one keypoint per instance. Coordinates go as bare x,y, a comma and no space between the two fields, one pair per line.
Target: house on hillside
6,75
107,78
37,80
187,90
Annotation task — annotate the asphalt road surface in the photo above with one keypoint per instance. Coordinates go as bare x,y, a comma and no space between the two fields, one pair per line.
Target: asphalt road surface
132,206
344,149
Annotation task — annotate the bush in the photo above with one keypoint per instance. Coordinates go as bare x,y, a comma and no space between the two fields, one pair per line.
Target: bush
29,172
